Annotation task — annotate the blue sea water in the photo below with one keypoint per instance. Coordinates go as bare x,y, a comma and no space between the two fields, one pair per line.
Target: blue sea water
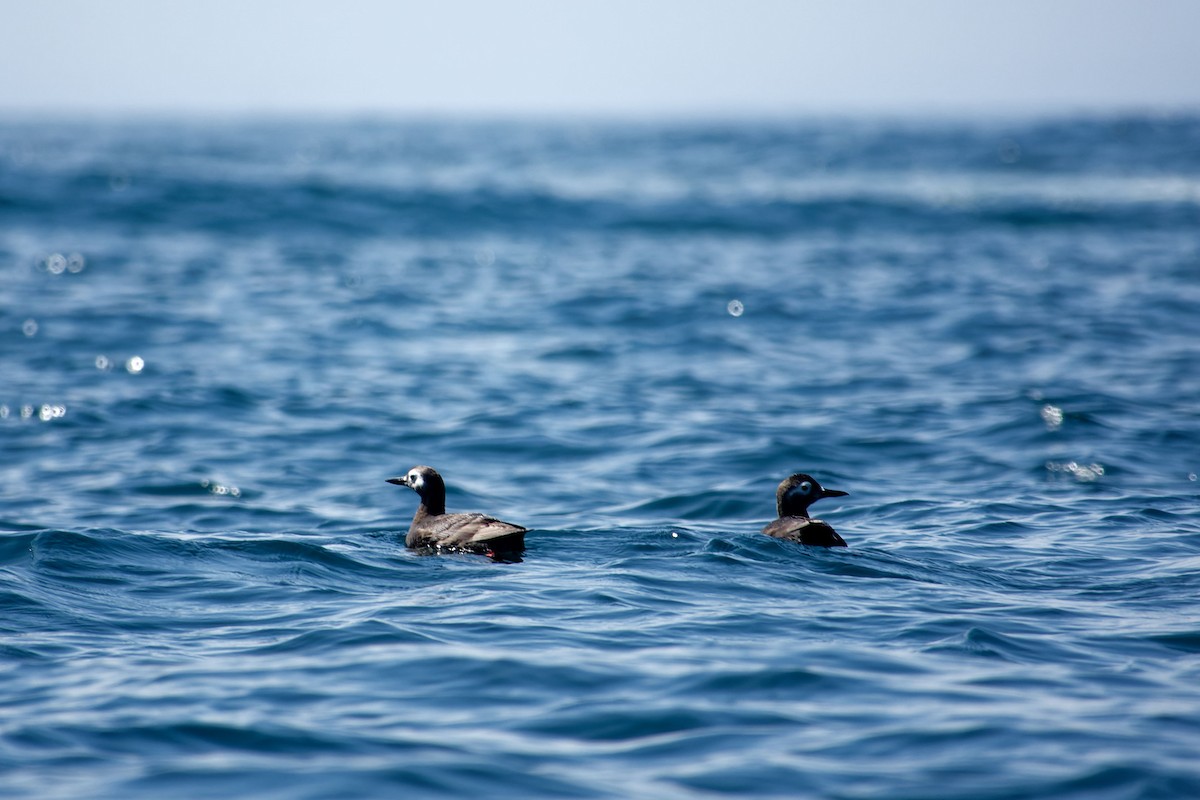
218,338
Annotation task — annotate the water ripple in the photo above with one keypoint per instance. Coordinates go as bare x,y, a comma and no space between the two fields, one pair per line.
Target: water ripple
220,338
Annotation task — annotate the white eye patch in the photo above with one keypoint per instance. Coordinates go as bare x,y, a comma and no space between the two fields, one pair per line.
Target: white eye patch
415,480
804,489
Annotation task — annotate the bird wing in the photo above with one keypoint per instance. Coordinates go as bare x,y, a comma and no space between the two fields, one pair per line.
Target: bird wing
804,530
461,530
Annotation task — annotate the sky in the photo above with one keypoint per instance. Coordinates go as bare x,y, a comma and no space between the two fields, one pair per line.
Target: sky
599,57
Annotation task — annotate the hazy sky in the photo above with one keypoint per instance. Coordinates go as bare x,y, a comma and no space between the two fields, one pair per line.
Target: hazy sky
607,56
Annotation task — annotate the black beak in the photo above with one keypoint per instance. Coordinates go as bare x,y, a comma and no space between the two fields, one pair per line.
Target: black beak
398,481
833,493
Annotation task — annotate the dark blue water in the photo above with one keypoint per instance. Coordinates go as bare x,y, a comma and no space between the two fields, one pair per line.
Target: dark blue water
218,339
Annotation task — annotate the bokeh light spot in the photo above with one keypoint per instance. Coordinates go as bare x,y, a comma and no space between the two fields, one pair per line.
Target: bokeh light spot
221,489
48,412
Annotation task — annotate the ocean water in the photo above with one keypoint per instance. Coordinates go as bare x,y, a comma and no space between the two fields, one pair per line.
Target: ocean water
218,338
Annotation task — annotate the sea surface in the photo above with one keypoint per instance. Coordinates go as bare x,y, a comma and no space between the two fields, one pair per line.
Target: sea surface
218,338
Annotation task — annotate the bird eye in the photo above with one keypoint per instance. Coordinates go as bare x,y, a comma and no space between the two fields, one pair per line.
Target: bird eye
805,487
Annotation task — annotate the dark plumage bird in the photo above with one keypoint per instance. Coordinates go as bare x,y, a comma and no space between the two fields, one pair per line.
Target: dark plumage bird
792,499
471,533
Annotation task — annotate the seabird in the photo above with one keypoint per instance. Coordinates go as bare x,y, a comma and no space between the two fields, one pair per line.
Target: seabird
470,533
792,499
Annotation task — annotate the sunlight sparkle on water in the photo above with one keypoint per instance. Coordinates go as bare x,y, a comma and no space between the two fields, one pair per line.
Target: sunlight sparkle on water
135,365
221,489
1052,416
1084,473
56,264
48,412
735,308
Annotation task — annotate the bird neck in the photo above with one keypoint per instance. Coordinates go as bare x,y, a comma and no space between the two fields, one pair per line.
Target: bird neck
790,508
429,508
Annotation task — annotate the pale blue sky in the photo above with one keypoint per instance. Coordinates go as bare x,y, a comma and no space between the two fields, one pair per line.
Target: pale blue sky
613,57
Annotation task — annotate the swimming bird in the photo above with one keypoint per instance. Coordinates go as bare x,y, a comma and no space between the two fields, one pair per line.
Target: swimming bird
471,533
792,499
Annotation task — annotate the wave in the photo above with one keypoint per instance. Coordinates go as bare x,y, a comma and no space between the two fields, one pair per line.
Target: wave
314,209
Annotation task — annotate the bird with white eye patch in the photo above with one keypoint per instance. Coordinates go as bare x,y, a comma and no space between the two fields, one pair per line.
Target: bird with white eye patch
792,499
433,528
